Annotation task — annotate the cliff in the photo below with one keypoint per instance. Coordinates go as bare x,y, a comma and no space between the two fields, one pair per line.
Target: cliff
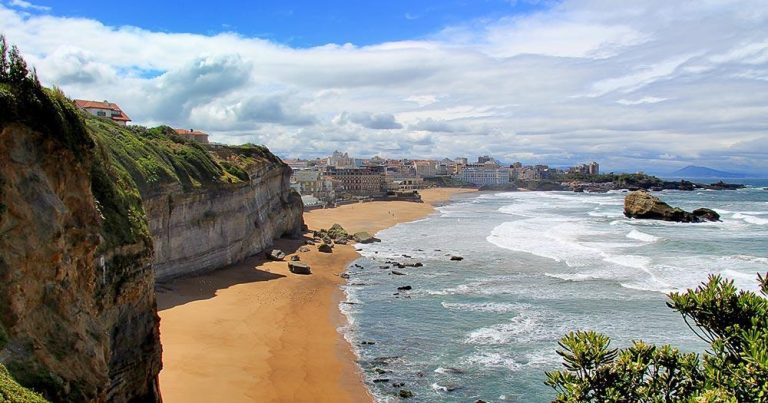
87,209
207,205
78,317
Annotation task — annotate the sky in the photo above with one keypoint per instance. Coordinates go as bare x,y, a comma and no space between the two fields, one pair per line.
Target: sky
652,85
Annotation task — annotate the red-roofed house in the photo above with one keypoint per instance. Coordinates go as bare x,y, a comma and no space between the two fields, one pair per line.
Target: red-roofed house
193,134
104,109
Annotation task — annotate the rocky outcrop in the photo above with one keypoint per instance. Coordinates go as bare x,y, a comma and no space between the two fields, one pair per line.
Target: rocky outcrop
78,317
641,204
364,237
211,227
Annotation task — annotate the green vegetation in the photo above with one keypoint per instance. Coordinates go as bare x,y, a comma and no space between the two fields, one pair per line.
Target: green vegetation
337,232
639,180
735,368
12,392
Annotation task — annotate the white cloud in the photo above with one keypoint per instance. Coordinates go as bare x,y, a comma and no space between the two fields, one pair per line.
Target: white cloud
27,5
656,81
643,100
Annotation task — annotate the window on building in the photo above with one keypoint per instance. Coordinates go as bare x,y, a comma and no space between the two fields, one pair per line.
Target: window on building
101,113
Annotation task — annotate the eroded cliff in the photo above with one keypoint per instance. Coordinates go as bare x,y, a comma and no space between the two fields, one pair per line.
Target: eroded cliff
207,205
78,317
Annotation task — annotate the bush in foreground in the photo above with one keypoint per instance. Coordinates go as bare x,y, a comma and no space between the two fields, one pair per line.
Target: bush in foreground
735,368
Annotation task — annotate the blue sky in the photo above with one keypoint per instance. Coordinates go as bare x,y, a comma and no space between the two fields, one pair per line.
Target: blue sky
651,85
298,23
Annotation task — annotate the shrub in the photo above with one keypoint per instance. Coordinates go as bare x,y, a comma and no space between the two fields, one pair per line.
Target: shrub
735,369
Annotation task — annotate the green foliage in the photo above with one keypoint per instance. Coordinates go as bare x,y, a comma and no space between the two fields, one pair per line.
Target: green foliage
733,322
337,232
12,392
639,180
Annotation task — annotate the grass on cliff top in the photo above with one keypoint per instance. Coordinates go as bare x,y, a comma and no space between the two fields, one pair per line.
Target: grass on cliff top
12,392
157,156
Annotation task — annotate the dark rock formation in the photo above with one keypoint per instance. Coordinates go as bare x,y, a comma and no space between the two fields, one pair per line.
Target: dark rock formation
325,248
705,214
405,394
724,186
457,258
643,205
299,268
405,288
276,254
295,258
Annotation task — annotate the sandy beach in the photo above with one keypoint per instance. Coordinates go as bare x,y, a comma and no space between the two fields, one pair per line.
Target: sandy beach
255,332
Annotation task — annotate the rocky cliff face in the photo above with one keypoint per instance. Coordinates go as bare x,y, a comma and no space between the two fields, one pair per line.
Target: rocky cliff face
78,316
208,228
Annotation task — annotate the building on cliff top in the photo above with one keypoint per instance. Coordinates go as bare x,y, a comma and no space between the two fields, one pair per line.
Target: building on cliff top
192,134
104,109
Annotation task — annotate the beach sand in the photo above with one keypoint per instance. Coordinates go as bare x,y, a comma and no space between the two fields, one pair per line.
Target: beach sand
255,332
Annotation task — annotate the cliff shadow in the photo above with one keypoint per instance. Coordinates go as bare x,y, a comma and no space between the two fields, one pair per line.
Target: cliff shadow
182,290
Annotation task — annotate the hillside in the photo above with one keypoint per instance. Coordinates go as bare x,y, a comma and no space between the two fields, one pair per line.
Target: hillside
693,171
88,212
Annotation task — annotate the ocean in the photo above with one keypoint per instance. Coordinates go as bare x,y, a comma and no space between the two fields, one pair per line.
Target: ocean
535,266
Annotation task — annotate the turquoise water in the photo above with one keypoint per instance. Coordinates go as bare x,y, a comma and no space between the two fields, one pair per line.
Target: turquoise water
536,265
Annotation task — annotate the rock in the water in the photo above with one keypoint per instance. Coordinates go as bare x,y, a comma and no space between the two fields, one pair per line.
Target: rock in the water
295,258
404,288
364,237
706,214
325,248
457,258
405,394
643,205
276,254
299,268
344,275
397,273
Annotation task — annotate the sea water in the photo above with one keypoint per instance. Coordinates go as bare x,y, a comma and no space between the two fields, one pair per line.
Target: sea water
536,266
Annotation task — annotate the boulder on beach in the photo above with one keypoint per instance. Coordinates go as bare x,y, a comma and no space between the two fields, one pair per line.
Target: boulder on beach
337,232
276,254
299,268
325,248
304,249
295,258
364,237
643,205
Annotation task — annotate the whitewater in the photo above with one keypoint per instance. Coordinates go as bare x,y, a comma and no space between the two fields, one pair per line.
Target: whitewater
536,266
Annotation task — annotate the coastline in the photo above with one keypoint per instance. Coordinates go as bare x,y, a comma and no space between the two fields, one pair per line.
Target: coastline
253,331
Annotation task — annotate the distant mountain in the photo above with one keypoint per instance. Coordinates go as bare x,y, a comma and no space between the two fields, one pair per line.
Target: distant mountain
692,171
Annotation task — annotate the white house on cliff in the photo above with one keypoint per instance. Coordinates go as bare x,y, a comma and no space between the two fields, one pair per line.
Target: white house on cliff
104,109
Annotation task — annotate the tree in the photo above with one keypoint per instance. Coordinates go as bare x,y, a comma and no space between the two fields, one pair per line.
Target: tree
17,67
3,59
735,325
